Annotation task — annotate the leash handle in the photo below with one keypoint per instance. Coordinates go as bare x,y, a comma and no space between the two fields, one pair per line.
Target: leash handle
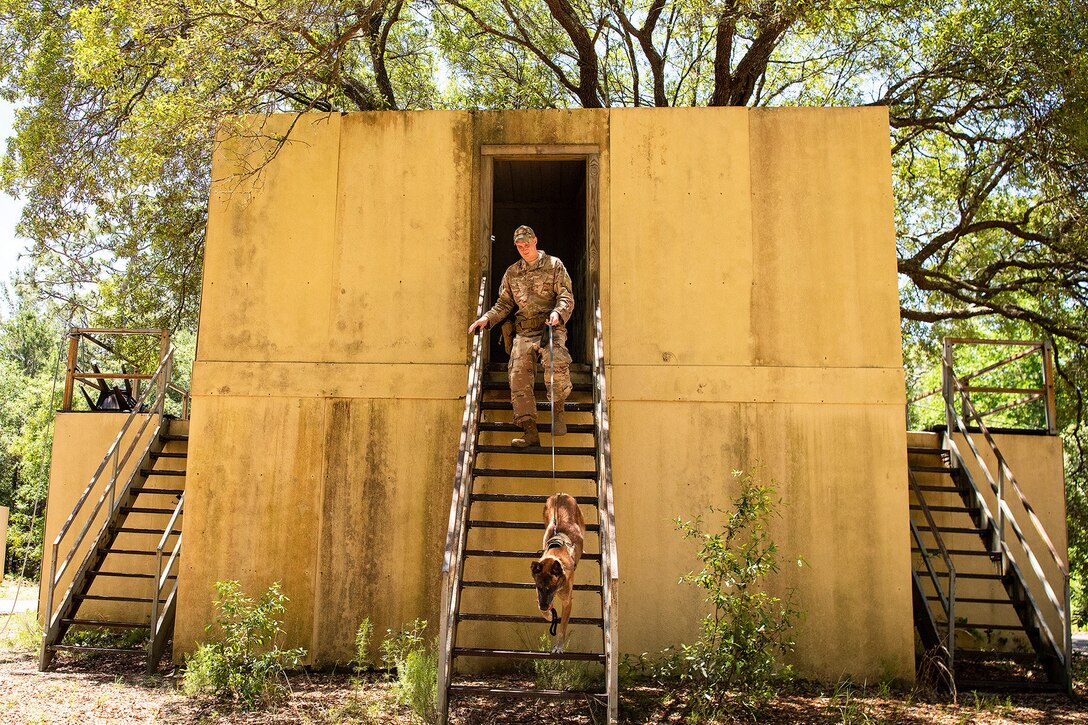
555,622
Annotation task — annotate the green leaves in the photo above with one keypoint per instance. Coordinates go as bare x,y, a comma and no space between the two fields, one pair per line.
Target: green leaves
747,630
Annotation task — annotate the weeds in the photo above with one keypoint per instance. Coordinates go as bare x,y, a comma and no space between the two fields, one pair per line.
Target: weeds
416,664
566,674
363,636
738,655
247,663
23,633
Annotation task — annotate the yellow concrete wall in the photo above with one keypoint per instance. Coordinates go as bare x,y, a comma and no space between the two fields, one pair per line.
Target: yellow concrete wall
751,318
80,441
1038,466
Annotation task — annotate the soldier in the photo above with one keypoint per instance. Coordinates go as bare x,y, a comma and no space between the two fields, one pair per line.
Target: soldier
539,286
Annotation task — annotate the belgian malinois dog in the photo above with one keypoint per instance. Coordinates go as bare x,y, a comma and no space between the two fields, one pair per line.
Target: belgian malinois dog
553,572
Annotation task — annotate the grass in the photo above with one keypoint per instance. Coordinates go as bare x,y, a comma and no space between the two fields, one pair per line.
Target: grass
20,632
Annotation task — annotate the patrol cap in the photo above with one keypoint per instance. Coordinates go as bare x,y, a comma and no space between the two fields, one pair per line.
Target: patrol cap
524,232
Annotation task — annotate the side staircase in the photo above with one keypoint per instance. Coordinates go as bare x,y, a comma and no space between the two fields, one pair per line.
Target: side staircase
113,564
991,594
489,613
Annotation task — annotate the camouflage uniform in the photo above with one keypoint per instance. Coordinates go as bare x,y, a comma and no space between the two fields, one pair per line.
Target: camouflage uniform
535,289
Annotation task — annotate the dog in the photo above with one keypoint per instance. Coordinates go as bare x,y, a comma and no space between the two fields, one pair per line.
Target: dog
564,533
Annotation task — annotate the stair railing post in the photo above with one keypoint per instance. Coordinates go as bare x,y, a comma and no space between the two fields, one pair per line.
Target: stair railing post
1048,387
948,389
951,622
1000,543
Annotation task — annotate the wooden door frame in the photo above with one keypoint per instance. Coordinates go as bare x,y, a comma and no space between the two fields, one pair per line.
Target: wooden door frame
589,154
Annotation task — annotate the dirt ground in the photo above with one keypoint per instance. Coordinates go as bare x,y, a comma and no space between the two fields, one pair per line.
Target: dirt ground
114,689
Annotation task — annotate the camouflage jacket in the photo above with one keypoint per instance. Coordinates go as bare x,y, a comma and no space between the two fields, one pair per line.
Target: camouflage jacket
535,289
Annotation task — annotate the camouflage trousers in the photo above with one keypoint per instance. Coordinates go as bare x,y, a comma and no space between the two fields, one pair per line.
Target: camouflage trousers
523,356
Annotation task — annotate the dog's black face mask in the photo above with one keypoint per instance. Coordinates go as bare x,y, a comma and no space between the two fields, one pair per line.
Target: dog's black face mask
548,580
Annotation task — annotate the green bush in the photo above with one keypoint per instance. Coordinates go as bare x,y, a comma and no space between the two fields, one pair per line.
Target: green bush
738,655
247,663
416,665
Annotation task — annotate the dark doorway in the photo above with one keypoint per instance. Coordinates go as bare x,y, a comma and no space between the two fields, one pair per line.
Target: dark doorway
549,196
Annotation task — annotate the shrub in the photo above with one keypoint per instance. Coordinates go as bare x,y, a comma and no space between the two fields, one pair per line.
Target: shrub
247,663
416,664
747,630
362,645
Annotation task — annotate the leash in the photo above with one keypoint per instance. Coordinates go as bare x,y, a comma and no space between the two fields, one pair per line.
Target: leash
551,394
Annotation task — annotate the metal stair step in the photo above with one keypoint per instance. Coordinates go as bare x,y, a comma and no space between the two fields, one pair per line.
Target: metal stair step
526,498
527,654
976,600
106,623
921,451
157,491
530,473
130,530
526,618
524,692
160,472
173,436
965,685
932,469
499,384
977,625
155,455
145,510
520,554
540,450
125,575
939,489
524,585
81,648
966,575
962,552
507,405
948,509
128,552
543,427
104,598
538,525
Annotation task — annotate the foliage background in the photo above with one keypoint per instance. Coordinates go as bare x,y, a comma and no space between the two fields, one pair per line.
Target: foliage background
120,102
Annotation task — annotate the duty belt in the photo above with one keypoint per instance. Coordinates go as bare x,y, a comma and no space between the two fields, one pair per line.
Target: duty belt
530,325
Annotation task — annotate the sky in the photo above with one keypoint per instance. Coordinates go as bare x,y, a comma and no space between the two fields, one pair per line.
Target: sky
10,245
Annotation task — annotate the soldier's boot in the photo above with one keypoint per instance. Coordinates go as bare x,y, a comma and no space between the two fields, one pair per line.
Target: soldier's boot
559,426
530,437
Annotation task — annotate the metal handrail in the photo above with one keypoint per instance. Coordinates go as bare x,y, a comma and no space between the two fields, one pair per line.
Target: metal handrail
453,560
162,576
948,601
161,375
606,516
953,388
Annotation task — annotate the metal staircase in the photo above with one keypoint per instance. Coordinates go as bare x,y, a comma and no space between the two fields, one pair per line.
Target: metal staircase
982,595
118,571
489,612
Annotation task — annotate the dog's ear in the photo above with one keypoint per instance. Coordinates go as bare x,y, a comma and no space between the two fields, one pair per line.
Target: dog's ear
536,568
557,568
